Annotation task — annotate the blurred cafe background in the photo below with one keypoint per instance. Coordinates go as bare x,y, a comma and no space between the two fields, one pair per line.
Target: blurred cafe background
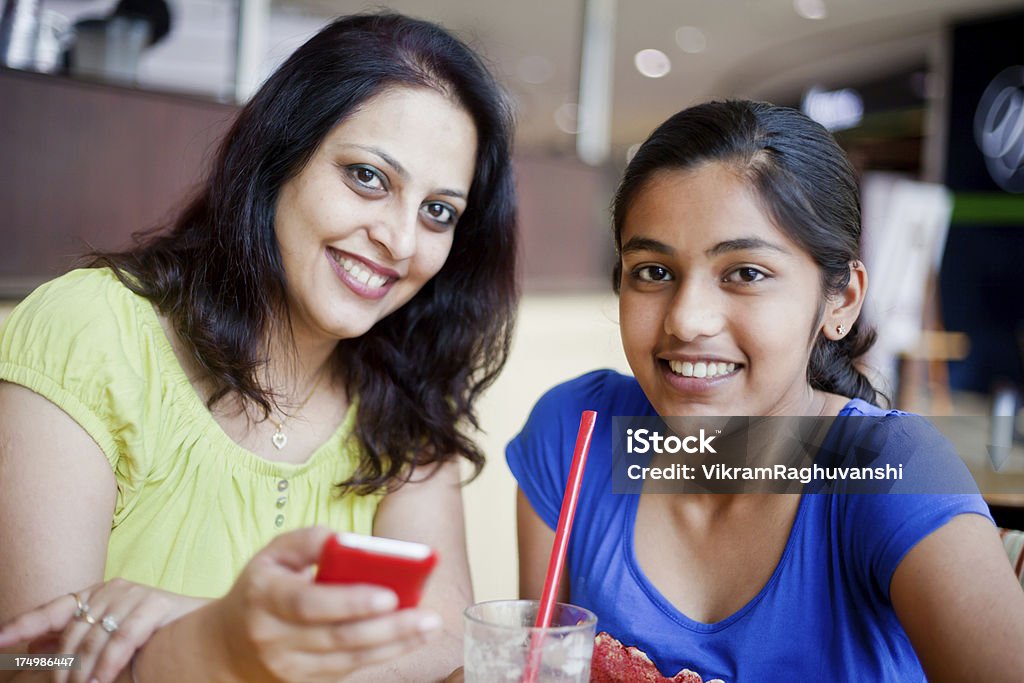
109,109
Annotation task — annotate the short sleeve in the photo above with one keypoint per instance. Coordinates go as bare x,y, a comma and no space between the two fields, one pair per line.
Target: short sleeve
541,454
882,528
74,341
534,455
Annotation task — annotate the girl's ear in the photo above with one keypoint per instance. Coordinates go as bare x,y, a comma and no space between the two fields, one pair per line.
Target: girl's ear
843,309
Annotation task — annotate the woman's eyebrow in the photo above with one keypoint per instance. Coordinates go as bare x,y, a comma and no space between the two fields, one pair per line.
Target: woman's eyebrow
401,170
746,244
387,158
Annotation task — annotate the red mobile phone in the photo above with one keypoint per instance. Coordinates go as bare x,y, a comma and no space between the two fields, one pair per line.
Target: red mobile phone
402,566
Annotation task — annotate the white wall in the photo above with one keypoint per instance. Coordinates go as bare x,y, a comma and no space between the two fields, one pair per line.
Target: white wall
557,338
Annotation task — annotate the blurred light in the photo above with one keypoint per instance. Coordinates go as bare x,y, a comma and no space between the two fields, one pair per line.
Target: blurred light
631,151
652,63
535,69
810,9
836,109
566,117
691,39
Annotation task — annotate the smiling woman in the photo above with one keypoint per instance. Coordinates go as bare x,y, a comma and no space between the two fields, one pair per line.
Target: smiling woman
283,358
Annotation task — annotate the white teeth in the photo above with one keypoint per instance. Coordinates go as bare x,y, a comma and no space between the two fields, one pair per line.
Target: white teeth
362,274
700,368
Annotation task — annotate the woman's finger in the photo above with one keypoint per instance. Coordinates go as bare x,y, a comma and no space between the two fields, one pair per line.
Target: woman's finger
295,550
89,636
371,633
49,618
295,600
132,632
329,666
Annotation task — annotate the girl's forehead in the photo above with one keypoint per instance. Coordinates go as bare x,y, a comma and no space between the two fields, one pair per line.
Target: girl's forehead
709,199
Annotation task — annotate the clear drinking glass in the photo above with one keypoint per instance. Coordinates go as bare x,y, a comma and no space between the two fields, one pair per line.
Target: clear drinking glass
499,635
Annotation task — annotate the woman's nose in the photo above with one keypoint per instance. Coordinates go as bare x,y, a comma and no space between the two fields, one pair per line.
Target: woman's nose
695,311
395,231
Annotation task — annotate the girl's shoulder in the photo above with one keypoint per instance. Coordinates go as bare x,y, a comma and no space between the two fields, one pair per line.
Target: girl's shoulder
858,406
608,392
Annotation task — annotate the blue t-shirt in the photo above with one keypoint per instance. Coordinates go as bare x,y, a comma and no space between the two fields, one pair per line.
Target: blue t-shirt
825,613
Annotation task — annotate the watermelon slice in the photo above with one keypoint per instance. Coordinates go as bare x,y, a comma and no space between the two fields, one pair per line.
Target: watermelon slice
613,662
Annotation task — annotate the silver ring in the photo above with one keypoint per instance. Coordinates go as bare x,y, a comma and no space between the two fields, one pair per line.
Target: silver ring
109,624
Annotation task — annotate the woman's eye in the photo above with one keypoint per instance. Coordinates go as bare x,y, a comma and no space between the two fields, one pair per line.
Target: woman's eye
368,177
745,275
652,274
442,213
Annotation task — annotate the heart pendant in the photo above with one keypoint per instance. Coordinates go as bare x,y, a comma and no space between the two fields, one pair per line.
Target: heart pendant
279,439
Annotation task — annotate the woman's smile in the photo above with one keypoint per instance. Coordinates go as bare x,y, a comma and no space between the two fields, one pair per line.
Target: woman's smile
362,276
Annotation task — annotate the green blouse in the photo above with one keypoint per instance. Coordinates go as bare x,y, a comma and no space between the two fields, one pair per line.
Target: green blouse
192,505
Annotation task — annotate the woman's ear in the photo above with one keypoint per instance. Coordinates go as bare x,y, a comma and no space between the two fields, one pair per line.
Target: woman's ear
843,309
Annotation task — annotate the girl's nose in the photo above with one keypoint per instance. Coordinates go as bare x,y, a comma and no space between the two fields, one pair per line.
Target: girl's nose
694,312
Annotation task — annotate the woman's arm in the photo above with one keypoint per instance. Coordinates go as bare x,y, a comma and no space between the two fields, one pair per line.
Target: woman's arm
56,507
959,602
429,510
535,542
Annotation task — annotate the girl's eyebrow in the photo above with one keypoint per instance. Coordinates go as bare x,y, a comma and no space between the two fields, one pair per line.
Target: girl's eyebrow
739,244
647,244
744,244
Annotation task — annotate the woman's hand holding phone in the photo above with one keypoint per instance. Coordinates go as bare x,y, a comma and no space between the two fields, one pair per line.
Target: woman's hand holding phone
279,625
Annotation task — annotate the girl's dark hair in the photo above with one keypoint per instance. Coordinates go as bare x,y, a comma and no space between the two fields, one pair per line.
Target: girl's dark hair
806,184
217,273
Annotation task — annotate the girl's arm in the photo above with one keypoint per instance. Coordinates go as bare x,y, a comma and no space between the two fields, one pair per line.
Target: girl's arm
535,542
959,602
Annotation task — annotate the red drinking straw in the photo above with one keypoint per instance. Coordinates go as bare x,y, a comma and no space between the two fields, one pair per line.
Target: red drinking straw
557,561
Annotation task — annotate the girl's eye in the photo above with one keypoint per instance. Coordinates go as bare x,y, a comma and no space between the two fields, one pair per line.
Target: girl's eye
652,274
368,177
442,213
745,275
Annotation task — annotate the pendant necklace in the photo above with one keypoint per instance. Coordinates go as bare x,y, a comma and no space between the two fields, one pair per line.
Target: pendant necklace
280,439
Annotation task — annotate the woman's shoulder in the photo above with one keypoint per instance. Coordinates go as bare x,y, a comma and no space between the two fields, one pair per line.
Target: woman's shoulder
78,298
81,322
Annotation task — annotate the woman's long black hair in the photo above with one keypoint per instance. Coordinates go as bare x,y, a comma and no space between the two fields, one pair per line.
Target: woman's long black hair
806,183
217,273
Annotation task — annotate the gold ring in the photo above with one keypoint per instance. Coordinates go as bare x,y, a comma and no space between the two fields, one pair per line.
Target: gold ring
82,610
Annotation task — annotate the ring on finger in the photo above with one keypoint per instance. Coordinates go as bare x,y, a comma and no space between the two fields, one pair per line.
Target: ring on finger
82,611
81,608
109,623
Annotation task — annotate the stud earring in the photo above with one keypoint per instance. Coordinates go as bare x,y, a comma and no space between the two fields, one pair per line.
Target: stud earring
840,329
